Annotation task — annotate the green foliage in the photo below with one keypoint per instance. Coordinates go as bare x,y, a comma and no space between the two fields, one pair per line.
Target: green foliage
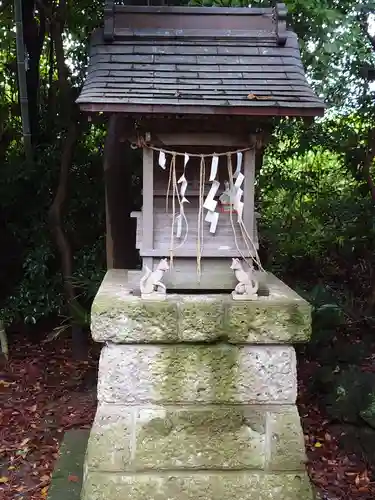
349,394
27,192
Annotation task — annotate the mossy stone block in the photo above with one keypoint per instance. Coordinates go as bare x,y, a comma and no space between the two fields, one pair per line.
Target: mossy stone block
287,442
210,438
110,439
131,319
268,322
201,318
202,486
183,374
119,315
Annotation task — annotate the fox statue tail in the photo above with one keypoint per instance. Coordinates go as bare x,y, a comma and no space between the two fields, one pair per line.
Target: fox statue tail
145,277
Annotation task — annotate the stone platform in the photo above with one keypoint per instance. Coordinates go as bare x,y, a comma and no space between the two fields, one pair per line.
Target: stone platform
197,397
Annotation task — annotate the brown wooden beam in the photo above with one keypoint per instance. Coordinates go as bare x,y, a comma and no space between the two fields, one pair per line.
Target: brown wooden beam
201,110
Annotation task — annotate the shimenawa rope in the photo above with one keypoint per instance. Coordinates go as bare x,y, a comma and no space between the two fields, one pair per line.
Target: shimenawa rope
200,236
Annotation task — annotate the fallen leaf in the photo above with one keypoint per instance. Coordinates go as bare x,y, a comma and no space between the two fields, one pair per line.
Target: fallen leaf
362,480
25,441
318,445
44,492
4,479
363,489
73,479
254,97
327,437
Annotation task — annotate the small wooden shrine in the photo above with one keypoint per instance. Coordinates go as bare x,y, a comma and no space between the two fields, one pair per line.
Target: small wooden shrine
196,391
198,89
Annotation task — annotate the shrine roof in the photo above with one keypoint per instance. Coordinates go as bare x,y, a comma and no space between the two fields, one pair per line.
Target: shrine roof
197,60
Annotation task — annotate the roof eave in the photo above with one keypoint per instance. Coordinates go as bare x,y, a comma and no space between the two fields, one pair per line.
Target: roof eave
244,111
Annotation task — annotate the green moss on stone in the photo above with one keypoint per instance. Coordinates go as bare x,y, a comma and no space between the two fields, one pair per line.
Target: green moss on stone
135,320
287,442
268,323
201,319
211,370
109,443
210,438
223,364
205,486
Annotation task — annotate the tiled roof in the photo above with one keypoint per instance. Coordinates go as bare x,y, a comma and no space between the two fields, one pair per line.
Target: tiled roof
170,58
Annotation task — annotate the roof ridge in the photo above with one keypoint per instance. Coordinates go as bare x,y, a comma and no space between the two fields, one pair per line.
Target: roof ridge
120,18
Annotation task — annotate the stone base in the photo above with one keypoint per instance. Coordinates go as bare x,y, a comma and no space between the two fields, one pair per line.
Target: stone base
150,438
196,399
196,421
199,486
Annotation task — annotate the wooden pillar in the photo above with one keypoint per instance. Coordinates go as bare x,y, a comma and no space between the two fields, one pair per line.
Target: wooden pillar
120,231
249,172
148,205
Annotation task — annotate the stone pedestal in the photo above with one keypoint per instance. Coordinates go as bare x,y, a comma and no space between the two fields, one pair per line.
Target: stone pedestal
197,397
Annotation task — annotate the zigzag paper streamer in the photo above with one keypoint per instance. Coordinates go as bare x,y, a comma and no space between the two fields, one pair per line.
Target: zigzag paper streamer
162,159
237,195
214,165
239,165
210,203
182,180
212,218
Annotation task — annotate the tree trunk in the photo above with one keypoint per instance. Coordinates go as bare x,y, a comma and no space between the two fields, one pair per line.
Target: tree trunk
56,214
368,163
70,121
22,81
34,35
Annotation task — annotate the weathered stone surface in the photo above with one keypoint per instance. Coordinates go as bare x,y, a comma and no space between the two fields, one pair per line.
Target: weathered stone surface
202,486
130,319
232,438
119,316
197,373
201,317
109,446
131,438
286,440
255,322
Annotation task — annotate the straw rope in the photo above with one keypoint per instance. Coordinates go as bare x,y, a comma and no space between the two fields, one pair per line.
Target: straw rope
142,144
244,233
200,232
172,174
172,180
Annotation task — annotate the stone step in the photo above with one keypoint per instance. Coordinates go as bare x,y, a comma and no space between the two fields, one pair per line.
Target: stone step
66,480
182,438
199,486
